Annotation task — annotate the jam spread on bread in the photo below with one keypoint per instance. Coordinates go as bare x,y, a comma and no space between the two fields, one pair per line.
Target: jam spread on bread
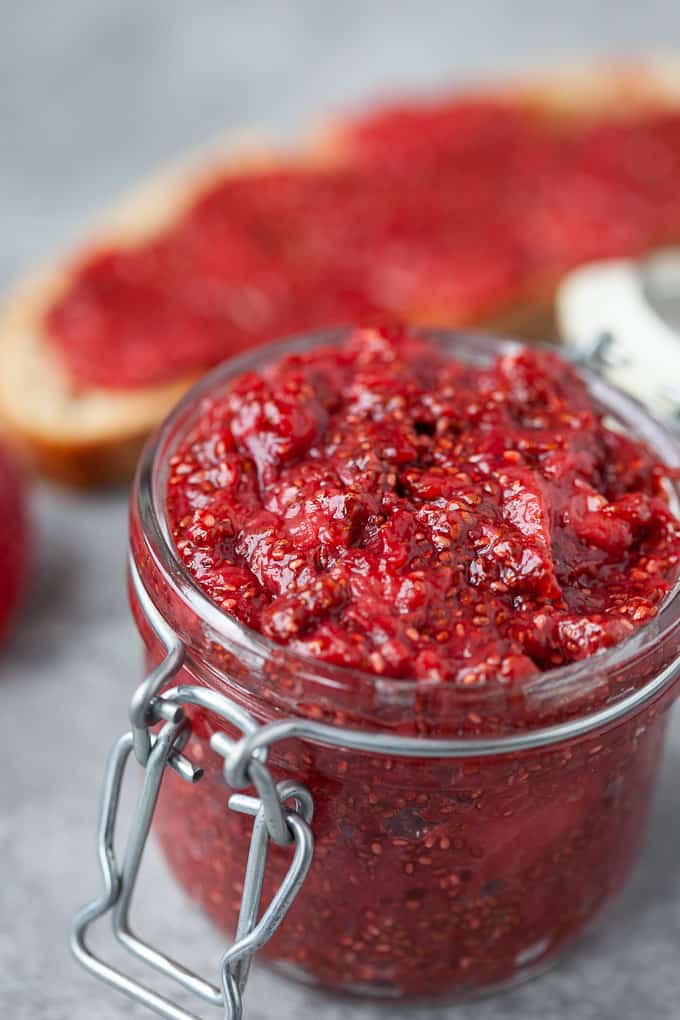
451,213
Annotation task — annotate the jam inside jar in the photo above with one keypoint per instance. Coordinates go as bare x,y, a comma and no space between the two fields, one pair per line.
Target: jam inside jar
439,874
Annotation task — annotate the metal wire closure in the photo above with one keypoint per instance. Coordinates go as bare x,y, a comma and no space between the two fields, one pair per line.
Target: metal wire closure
252,930
282,812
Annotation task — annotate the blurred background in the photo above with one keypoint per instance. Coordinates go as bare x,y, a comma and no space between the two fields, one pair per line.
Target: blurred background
93,95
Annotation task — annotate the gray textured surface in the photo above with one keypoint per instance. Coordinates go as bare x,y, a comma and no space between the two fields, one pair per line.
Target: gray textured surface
91,95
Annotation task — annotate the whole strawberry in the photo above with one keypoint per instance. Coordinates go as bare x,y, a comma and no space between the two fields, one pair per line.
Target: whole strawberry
14,537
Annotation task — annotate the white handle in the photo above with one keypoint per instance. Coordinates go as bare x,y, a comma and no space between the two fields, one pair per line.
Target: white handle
611,300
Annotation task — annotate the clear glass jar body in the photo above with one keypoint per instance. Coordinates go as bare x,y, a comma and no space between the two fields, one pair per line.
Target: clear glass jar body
437,876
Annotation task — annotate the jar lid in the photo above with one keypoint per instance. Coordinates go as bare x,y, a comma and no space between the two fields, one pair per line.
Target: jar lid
621,317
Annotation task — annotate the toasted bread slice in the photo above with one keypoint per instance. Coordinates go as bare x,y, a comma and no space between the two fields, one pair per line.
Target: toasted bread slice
92,436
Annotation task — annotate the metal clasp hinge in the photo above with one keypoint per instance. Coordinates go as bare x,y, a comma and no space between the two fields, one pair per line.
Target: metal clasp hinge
282,812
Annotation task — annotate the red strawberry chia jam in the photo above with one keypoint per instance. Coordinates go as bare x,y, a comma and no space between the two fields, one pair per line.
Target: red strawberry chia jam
421,537
386,508
450,212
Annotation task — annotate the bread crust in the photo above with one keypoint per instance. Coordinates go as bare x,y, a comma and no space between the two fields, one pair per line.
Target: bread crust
92,436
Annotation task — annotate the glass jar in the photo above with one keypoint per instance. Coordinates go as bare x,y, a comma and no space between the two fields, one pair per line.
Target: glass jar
462,839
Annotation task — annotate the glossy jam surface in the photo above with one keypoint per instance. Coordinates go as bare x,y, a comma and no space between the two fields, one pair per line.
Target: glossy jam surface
14,538
445,212
382,506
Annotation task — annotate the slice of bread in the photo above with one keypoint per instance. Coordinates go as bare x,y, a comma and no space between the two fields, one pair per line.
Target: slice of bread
88,437
92,436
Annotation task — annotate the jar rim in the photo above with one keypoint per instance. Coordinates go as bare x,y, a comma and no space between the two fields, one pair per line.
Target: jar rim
560,682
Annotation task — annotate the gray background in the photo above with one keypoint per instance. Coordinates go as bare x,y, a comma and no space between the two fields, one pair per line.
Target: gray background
91,96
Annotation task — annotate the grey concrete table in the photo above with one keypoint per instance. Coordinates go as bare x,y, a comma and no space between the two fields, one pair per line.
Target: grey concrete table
92,95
